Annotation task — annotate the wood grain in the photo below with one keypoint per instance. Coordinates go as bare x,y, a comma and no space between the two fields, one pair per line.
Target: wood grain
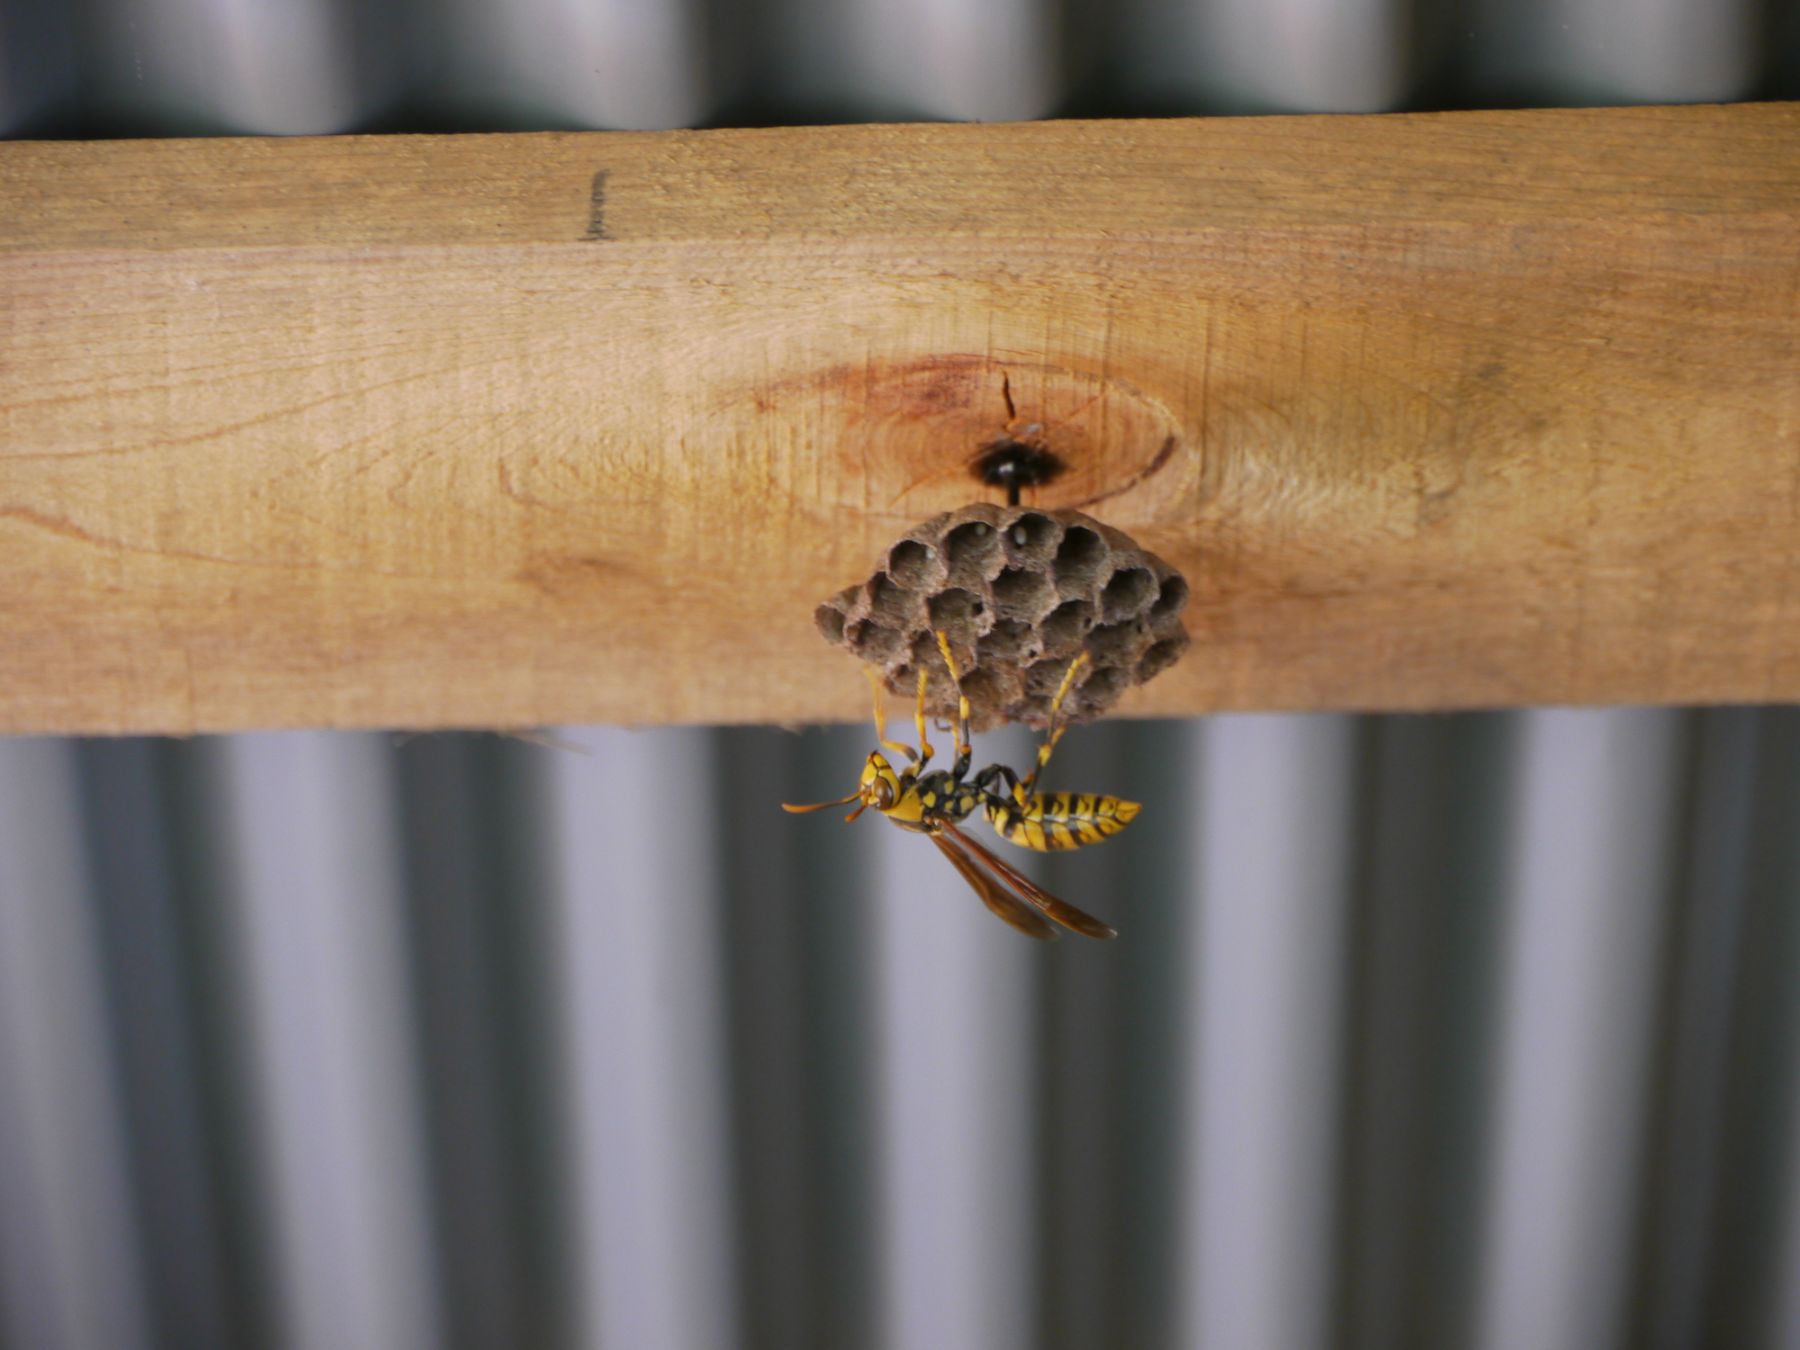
1435,411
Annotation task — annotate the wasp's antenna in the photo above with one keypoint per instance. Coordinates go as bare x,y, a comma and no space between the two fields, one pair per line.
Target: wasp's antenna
818,806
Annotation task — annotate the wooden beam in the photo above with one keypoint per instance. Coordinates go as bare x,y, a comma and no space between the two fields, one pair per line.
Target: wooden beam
1435,411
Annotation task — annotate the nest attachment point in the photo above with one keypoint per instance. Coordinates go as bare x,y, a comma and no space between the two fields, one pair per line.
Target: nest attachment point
1019,592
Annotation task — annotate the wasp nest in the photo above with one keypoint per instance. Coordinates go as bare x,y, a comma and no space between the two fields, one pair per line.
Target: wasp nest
1018,592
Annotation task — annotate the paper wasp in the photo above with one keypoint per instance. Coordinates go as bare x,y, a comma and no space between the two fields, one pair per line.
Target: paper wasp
934,803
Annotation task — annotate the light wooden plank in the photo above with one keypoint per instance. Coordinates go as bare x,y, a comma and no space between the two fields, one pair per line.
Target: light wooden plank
1450,410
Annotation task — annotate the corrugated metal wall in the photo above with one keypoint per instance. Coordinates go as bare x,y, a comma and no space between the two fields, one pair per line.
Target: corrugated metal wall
1466,1031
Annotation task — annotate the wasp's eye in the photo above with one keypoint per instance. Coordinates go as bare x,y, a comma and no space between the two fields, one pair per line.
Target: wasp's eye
884,794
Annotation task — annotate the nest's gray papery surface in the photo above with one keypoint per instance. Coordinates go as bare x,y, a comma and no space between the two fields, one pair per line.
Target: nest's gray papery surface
1019,592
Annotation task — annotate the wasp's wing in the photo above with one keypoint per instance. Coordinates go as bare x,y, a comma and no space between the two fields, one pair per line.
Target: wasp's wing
1008,906
1060,910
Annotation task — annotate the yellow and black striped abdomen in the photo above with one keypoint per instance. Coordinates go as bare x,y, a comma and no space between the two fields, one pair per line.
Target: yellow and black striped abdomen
1052,821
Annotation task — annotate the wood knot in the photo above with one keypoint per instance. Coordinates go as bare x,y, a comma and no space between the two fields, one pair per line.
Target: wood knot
1010,465
903,436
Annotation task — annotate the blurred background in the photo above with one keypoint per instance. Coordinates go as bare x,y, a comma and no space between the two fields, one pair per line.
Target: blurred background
1478,1030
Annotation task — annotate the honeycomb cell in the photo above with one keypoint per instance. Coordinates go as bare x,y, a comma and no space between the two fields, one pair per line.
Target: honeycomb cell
953,607
915,565
830,620
1127,594
1160,657
1171,597
1023,596
1031,540
1008,643
1082,559
1115,644
1065,627
892,604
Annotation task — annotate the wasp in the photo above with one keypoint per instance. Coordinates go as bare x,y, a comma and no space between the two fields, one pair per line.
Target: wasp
934,803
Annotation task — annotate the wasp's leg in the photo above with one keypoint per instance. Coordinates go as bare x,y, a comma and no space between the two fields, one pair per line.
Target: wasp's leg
1053,730
999,789
881,719
1000,774
963,753
925,750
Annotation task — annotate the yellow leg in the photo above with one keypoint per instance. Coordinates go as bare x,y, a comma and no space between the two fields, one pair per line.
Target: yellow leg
881,719
1053,730
962,699
925,751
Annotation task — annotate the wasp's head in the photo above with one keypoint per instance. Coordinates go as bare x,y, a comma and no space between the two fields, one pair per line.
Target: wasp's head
880,788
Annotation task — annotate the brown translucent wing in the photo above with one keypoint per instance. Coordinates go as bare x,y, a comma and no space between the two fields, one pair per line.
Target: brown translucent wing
1060,910
1020,915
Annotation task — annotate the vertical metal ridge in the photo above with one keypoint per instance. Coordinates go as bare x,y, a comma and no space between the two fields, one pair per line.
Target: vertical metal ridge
1753,1261
71,1268
1244,56
955,1131
1614,51
39,72
1082,1072
1679,1177
222,1042
197,67
887,60
474,928
796,912
774,1209
1113,1037
313,913
543,64
148,967
839,1023
1159,898
1420,1020
1586,901
1271,853
639,969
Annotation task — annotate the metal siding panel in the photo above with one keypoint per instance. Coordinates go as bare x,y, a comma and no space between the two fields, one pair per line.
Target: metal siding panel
474,923
956,1138
1420,1024
1591,844
994,61
1244,56
70,1266
38,73
605,64
314,897
1082,1100
1680,1179
1614,51
1112,1046
1748,1279
233,66
638,970
1271,853
799,926
151,977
